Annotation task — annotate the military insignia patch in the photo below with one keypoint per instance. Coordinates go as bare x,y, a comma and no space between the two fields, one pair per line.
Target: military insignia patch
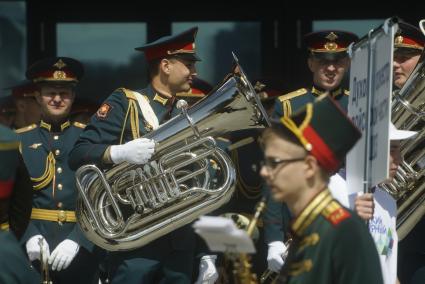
35,145
103,111
338,216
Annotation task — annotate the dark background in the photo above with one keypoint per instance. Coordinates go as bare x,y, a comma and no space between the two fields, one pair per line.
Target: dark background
282,26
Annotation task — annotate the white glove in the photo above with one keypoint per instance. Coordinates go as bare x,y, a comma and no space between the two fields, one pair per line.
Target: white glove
207,271
33,248
274,256
63,254
137,151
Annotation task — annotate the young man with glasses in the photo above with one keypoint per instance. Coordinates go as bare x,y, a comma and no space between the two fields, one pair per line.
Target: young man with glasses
301,153
328,62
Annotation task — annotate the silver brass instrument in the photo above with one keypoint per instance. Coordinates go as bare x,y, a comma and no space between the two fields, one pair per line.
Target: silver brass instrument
128,206
408,186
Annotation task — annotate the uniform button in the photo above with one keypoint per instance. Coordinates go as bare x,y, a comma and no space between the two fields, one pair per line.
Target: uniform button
60,204
60,186
61,216
59,170
57,152
56,137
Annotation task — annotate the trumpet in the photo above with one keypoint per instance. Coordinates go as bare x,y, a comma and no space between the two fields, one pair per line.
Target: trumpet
44,266
270,276
242,264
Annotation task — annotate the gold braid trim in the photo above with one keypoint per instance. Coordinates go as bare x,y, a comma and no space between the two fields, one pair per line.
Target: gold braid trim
124,124
298,131
9,146
298,268
133,113
4,226
250,192
287,108
48,174
309,240
134,119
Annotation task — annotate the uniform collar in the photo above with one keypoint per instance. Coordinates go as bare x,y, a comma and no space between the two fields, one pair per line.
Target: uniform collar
310,213
55,128
156,96
319,91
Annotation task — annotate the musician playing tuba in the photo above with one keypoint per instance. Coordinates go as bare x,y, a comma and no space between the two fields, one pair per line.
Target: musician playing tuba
380,207
114,136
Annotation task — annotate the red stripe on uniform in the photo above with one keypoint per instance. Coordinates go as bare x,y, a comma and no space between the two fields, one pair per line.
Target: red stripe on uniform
321,150
167,49
6,188
411,41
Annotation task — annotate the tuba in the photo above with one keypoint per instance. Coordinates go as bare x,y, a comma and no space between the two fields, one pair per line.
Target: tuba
129,206
408,186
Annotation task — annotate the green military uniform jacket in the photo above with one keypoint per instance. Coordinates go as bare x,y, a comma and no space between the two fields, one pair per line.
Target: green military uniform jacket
287,105
291,102
45,151
330,245
14,265
9,151
119,120
14,174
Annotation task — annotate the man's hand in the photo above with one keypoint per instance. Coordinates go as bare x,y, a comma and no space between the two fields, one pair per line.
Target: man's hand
274,256
33,248
207,271
364,206
137,151
63,254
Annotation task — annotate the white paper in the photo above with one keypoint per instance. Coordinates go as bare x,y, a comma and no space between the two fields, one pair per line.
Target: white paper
222,235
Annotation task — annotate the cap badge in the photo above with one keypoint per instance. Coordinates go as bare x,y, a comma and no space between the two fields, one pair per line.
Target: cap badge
60,64
398,39
58,75
331,45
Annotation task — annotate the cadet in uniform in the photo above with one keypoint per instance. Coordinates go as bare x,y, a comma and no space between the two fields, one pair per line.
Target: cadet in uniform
27,109
113,136
14,265
20,201
45,147
301,153
7,110
409,44
328,61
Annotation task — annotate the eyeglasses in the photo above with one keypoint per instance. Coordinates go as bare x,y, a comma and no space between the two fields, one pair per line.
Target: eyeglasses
272,163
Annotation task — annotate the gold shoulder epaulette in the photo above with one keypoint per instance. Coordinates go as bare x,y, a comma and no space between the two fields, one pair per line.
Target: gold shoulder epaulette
189,95
26,128
128,93
335,213
79,124
346,92
293,94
